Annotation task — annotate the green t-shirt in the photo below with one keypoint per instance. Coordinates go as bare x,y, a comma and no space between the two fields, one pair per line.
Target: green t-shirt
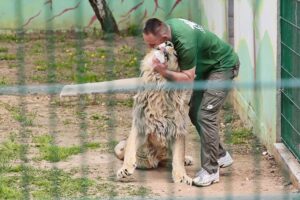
198,47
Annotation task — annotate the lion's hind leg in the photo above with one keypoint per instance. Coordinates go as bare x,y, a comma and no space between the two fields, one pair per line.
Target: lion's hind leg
149,157
188,160
145,158
120,149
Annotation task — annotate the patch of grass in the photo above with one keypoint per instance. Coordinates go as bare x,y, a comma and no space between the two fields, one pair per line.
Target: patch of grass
12,64
133,30
140,191
87,77
121,102
130,62
9,150
101,53
24,118
3,81
66,64
8,38
227,106
99,117
228,118
37,48
66,121
41,67
54,153
43,184
8,57
3,49
239,136
128,50
40,78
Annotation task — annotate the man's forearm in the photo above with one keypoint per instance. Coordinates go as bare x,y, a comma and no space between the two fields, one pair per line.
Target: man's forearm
176,76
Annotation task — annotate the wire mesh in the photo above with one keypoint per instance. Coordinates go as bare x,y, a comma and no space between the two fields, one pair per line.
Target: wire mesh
290,31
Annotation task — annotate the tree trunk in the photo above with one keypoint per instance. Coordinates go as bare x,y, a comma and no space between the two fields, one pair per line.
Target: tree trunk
105,16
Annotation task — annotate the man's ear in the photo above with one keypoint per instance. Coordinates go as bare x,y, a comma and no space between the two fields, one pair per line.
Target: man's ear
165,38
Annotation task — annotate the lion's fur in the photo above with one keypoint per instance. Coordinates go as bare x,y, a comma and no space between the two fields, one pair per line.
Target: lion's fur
160,112
159,116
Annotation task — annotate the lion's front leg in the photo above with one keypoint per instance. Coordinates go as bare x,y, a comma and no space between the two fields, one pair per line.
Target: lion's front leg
134,141
178,173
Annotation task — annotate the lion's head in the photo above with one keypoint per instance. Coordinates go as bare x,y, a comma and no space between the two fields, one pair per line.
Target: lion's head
166,53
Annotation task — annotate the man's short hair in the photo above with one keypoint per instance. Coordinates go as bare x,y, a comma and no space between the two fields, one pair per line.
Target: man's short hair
155,27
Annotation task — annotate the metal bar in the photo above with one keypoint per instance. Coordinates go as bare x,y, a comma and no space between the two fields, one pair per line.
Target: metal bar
107,87
287,21
296,105
290,49
282,67
290,124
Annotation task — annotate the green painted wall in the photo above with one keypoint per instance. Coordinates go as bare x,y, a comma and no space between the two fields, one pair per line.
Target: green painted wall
256,43
62,13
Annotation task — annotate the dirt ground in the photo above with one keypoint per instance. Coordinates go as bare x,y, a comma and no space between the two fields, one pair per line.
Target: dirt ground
105,120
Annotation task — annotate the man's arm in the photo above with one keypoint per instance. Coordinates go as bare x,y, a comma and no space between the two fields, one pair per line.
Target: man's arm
182,76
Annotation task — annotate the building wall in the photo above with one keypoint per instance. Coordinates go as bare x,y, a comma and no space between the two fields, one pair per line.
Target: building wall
256,39
67,14
214,16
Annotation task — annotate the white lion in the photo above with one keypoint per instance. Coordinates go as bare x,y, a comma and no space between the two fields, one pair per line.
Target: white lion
159,122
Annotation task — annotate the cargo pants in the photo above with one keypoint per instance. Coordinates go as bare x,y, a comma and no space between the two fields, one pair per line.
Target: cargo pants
205,106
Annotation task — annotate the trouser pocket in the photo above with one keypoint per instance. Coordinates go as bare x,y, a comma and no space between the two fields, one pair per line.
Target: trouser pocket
212,100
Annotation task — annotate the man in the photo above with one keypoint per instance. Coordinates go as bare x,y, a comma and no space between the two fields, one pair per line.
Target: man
201,56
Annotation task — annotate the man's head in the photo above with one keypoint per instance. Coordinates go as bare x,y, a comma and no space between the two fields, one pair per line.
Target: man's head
155,32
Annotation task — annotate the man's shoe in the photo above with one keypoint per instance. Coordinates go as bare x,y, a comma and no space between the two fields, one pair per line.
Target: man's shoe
206,179
225,161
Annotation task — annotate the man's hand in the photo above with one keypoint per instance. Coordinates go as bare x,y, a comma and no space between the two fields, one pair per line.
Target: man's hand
159,67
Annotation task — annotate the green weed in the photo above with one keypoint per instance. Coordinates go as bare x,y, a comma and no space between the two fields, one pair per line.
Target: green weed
3,49
99,117
128,50
238,136
24,118
43,184
121,102
37,48
53,153
8,38
133,30
41,68
9,150
8,57
3,81
140,191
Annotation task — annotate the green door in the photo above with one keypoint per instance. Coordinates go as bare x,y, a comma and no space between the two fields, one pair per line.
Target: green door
290,69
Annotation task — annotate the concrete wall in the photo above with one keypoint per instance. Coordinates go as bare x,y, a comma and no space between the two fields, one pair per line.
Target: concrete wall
256,40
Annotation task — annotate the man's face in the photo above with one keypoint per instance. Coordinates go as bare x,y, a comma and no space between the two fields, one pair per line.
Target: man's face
153,41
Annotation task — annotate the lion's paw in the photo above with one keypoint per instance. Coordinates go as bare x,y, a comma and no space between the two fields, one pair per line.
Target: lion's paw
125,172
183,179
